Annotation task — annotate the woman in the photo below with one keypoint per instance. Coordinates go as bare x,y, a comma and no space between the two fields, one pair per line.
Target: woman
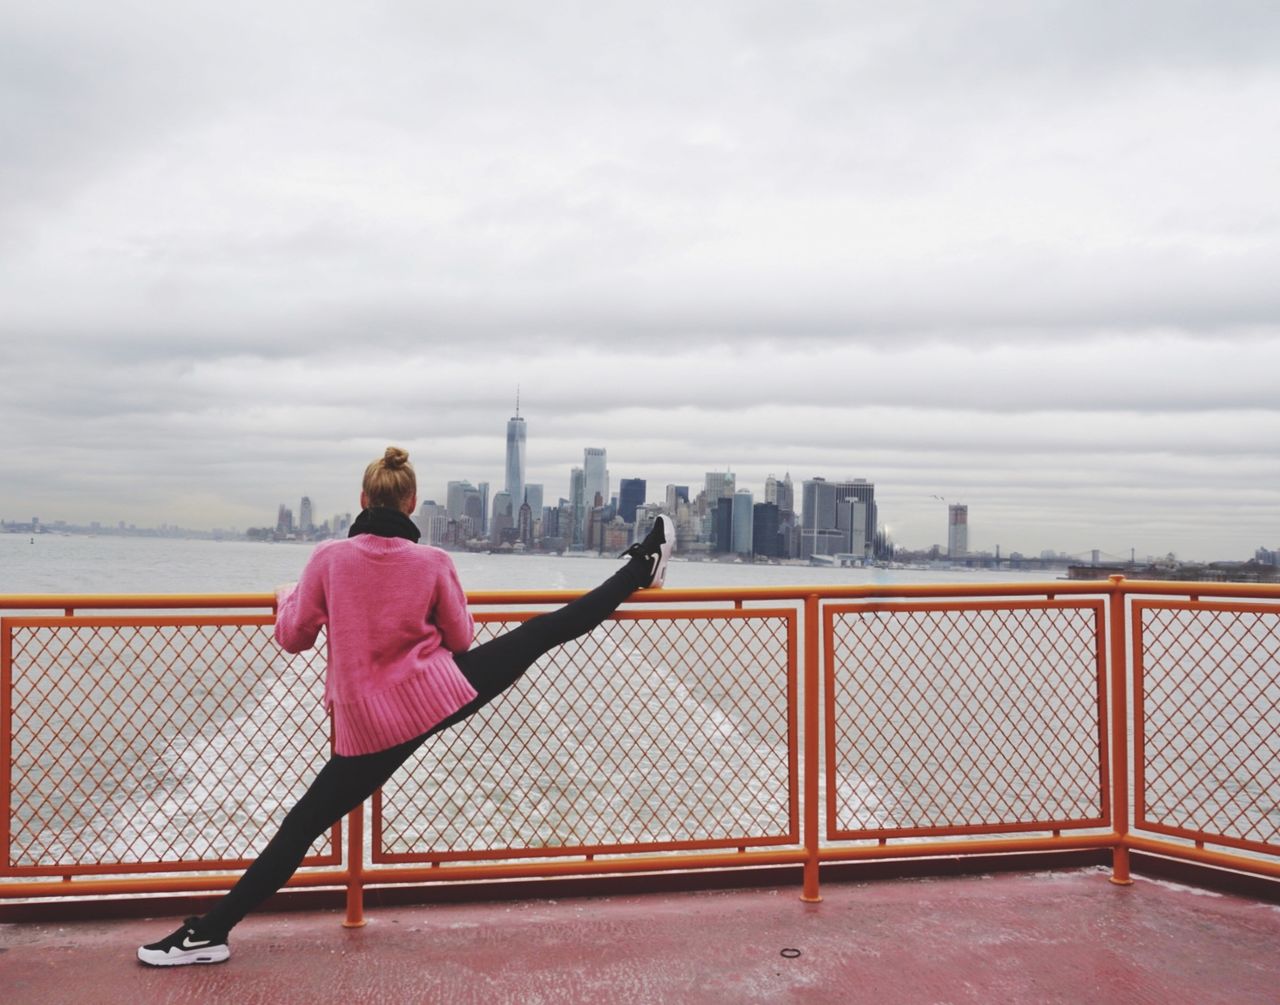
399,671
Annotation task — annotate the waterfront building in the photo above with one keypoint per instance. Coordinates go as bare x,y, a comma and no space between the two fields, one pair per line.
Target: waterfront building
719,485
818,517
722,534
524,524
533,496
426,511
616,535
503,519
831,523
483,489
577,507
765,538
435,528
676,494
743,516
957,530
463,499
853,516
780,493
862,491
646,516
515,455
595,471
631,493
306,523
284,520
597,517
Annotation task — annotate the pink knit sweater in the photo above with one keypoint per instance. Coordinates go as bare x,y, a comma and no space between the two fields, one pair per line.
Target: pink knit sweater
395,614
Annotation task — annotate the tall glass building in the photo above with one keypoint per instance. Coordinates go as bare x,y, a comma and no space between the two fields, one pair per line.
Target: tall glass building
743,521
595,461
957,531
577,506
631,495
515,457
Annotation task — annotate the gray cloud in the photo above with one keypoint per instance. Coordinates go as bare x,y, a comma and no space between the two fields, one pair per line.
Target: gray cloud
1019,252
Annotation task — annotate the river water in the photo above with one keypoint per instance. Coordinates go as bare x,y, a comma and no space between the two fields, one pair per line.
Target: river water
52,563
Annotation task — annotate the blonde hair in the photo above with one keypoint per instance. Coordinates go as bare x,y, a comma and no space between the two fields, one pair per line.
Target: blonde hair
389,481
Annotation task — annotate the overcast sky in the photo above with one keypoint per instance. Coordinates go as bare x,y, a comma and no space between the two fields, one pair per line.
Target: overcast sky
1019,255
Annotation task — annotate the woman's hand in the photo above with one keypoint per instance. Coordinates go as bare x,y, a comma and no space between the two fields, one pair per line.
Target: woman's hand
283,591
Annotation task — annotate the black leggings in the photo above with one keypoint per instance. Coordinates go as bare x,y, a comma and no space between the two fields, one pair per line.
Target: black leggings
345,782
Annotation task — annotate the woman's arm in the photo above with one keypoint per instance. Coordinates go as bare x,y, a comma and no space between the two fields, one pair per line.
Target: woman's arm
450,613
301,610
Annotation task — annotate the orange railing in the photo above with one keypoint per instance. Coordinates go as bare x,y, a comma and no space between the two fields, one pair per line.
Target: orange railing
152,743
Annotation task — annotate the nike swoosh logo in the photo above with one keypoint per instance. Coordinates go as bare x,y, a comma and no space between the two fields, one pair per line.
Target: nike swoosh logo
188,944
654,571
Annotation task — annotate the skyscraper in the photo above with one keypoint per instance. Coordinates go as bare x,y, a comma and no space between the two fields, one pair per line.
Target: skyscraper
720,485
533,496
819,522
504,516
578,507
456,497
862,491
743,521
957,531
765,539
785,495
483,489
722,516
631,493
306,523
596,472
515,455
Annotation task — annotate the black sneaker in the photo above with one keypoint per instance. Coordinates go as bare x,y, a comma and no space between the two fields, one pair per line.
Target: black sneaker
187,945
655,550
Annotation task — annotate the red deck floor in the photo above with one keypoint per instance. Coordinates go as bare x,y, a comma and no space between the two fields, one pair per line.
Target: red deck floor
1028,937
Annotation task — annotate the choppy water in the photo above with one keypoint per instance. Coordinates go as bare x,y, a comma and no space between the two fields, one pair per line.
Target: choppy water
83,564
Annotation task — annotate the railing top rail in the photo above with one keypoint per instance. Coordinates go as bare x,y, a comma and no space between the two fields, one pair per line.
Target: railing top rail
864,591
1182,588
132,601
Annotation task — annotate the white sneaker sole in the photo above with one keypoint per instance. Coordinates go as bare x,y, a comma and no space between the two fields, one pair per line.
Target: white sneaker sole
669,532
182,957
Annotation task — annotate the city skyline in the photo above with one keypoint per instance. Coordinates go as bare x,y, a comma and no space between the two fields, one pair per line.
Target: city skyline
954,542
1019,255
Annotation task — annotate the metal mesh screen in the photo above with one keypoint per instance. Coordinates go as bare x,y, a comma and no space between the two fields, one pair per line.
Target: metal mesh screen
1208,716
966,719
657,730
157,741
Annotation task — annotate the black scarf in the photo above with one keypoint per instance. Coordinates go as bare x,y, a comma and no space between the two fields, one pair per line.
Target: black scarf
384,522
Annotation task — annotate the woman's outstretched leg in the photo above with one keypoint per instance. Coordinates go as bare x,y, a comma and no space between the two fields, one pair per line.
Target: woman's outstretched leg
342,785
497,664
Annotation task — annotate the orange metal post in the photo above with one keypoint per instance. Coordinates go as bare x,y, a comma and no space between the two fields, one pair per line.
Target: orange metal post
810,893
6,753
355,869
1119,734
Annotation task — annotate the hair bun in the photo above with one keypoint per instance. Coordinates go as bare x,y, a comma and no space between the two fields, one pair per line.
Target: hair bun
395,458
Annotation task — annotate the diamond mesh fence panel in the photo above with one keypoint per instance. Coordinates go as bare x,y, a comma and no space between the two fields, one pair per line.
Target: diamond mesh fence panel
139,741
1208,712
655,731
966,719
